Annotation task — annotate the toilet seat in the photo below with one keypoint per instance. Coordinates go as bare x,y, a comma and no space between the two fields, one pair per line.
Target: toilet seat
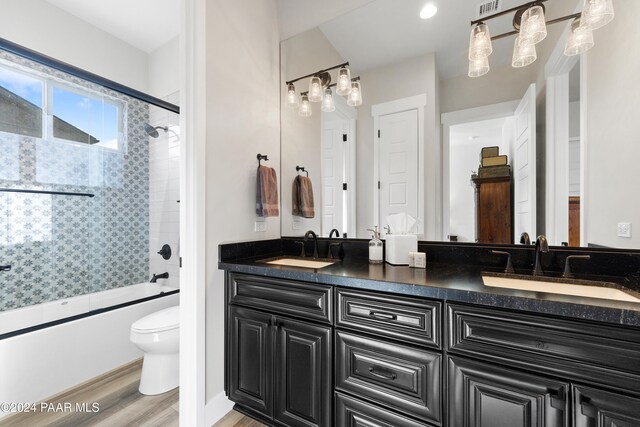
160,321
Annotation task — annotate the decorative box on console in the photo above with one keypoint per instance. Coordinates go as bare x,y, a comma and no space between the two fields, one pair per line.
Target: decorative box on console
398,247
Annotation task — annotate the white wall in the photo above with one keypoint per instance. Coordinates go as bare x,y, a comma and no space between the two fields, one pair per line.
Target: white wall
42,27
301,136
164,193
464,155
164,75
408,78
613,146
243,119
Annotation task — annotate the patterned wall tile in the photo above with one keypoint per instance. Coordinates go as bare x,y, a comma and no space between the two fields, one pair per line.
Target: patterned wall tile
62,246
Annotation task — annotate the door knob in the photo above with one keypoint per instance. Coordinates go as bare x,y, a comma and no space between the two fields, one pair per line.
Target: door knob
5,268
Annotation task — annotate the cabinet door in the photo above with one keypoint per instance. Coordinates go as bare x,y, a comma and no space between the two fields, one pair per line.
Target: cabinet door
484,395
303,379
598,408
250,342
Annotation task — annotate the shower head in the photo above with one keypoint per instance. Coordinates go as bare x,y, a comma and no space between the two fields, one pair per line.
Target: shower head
153,131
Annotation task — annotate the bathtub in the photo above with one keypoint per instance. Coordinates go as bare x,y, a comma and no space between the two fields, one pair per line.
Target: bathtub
50,347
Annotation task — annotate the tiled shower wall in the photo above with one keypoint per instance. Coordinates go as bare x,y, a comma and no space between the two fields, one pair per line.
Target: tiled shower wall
61,246
164,193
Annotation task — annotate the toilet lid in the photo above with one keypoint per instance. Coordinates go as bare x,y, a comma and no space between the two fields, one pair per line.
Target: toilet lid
162,320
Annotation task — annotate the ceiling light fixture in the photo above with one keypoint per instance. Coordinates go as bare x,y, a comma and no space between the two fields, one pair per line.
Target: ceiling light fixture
530,26
428,11
320,90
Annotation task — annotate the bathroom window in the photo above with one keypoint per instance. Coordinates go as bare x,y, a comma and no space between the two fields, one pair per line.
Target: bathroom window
85,117
36,105
21,103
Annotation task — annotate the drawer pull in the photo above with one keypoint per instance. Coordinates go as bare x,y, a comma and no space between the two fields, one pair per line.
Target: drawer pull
383,315
392,376
588,410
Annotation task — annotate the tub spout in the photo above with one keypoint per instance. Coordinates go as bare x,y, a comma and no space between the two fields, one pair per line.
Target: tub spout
155,277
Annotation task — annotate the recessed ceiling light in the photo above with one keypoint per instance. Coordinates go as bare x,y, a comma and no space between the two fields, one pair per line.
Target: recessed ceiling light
428,11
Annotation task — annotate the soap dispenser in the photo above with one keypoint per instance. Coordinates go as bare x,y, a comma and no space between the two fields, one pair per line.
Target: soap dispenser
375,247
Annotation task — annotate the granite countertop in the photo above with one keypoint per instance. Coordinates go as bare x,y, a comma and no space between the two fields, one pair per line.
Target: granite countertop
448,282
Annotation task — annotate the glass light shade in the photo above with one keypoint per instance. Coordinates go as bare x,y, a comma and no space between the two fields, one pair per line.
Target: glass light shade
355,97
315,89
580,39
478,67
597,13
305,107
524,53
480,42
292,97
343,87
533,28
327,101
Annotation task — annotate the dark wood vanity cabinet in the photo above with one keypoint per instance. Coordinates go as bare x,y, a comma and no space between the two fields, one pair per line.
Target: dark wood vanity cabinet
487,395
279,366
398,361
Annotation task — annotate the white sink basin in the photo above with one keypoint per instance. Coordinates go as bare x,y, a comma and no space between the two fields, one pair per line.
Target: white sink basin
297,262
559,288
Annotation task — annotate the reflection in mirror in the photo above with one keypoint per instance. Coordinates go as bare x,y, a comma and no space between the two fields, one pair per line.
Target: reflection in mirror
563,126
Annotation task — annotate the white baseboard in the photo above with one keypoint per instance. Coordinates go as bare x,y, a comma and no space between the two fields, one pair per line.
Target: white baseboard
217,408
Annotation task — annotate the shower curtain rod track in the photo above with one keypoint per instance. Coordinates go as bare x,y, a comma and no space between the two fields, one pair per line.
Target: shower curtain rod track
55,193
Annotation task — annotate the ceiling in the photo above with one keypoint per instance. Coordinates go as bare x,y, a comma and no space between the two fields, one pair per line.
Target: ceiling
383,32
480,134
144,24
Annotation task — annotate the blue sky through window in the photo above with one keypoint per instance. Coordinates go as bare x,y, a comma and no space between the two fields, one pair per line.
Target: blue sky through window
91,115
22,85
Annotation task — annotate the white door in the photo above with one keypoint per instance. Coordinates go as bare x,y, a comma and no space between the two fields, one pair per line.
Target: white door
524,166
398,165
333,176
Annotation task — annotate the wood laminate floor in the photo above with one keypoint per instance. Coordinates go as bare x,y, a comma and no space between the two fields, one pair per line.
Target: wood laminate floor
236,419
120,403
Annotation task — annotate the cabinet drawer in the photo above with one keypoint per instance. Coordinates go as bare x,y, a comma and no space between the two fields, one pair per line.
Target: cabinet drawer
352,412
477,331
593,407
306,300
402,377
405,319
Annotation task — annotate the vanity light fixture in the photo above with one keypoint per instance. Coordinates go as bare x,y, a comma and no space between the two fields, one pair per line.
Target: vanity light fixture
292,96
343,86
597,13
305,106
355,97
530,26
315,89
320,90
580,38
327,101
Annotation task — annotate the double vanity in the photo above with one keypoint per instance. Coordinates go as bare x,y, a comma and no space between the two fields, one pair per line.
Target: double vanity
346,343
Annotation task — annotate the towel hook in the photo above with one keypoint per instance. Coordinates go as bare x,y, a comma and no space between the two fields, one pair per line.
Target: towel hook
261,157
301,168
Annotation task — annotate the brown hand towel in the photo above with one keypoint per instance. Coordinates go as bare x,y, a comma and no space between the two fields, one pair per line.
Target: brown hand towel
302,197
267,192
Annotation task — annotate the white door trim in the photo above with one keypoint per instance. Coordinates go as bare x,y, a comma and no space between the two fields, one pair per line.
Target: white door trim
556,72
192,212
417,102
486,112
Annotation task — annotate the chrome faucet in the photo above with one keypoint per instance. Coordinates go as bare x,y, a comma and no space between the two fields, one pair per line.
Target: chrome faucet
315,241
542,246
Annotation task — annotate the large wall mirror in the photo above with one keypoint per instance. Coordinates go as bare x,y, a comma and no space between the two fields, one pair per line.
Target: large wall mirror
567,125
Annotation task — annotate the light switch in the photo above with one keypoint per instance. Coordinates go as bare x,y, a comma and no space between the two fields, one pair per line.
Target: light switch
624,229
260,226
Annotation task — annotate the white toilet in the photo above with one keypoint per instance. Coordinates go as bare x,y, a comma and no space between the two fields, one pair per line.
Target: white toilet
158,336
